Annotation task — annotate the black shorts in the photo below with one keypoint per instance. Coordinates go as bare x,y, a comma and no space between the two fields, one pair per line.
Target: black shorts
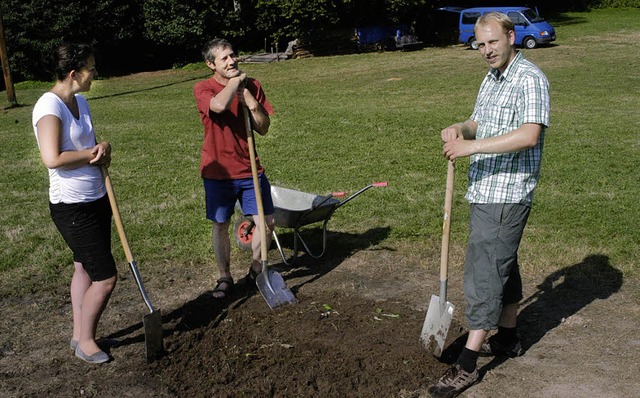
86,227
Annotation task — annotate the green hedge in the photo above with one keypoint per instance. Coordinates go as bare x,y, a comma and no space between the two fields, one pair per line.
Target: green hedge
134,35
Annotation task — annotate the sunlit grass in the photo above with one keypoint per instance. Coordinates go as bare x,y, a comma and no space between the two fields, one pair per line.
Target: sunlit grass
341,123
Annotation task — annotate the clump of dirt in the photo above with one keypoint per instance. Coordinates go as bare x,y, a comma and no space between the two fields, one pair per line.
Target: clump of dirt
333,344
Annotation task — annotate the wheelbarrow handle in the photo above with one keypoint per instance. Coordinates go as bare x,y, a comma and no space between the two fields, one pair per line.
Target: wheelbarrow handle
375,184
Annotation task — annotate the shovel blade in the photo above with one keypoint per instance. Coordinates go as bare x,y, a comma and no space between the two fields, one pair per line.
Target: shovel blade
153,335
436,325
273,289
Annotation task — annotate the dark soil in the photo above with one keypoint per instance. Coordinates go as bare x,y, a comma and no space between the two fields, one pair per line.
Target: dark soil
353,333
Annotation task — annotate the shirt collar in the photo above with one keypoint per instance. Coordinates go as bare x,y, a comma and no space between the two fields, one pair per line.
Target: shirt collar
507,72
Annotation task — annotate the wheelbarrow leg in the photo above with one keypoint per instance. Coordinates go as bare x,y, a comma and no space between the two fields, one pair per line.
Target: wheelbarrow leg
294,255
298,236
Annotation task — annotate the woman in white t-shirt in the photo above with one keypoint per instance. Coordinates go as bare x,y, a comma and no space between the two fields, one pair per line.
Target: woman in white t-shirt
78,204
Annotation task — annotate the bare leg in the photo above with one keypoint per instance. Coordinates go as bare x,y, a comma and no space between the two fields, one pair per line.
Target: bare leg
79,285
93,304
222,247
475,339
509,315
256,261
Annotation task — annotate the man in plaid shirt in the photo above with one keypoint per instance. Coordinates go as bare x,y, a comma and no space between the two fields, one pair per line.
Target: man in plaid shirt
504,138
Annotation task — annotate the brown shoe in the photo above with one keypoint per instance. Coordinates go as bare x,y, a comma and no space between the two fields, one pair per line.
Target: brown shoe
454,381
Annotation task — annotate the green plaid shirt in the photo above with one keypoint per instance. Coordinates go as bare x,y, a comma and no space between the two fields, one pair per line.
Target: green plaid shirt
520,95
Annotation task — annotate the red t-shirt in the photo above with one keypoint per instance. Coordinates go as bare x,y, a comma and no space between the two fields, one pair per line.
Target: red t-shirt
225,151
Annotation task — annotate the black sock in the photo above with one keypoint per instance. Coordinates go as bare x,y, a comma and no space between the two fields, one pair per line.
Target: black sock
506,336
467,359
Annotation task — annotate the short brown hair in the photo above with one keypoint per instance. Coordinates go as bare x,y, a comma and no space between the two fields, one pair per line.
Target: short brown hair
209,49
501,18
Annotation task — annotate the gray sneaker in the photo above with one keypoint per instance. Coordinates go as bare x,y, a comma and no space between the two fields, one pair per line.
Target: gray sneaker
493,348
453,382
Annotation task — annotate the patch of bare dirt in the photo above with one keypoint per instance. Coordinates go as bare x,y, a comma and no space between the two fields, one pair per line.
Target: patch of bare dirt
353,333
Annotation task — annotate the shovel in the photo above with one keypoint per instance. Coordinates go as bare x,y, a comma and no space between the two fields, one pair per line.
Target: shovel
153,321
269,282
438,319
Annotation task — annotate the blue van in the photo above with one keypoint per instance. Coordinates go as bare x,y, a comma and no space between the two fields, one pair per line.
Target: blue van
531,29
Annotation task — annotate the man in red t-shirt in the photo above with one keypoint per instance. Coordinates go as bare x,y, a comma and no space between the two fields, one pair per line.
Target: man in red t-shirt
226,166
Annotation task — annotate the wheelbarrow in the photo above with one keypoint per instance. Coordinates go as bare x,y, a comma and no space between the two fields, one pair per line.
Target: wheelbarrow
294,210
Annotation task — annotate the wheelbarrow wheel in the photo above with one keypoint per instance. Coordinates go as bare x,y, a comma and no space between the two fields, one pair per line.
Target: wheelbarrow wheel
243,232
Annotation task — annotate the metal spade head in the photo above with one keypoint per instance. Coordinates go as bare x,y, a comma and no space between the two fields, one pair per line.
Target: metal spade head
436,325
153,335
274,289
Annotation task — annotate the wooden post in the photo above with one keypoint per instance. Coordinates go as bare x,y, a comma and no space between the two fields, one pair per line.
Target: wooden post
11,95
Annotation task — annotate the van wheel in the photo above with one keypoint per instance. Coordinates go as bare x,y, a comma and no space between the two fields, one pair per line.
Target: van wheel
529,42
473,43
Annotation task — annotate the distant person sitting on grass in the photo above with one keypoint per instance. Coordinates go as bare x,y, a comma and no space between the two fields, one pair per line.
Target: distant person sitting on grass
504,138
226,167
78,199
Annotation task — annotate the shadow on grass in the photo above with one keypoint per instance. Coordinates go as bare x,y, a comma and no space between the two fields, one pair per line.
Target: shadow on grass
561,295
204,310
148,88
560,20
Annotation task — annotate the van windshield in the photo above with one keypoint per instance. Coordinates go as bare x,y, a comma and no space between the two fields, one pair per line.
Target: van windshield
532,16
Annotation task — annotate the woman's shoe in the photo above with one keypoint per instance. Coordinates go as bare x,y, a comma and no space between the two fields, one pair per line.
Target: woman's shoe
98,357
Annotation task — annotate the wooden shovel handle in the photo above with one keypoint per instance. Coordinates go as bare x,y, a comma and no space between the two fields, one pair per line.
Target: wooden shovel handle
256,185
116,215
446,225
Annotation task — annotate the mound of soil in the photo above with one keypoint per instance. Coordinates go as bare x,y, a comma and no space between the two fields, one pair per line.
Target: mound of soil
328,345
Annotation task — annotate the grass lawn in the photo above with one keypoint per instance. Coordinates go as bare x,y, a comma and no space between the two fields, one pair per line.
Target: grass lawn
341,123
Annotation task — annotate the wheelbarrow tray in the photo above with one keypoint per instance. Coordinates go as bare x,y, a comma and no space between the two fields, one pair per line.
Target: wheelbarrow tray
294,209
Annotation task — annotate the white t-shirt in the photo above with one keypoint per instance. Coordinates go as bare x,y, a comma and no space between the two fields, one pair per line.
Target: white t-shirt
85,183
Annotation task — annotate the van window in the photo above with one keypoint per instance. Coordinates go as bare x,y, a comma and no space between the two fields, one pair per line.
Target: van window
532,16
469,18
517,18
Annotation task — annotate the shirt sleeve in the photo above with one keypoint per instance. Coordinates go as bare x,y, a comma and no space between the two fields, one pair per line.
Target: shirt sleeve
203,93
256,89
46,105
536,99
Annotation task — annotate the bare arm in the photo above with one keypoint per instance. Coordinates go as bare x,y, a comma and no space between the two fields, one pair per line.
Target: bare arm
49,131
260,121
465,130
222,100
524,137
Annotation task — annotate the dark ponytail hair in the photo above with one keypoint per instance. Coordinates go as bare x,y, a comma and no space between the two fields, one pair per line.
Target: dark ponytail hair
68,57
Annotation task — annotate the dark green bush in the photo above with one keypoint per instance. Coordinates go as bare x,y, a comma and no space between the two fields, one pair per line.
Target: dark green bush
133,35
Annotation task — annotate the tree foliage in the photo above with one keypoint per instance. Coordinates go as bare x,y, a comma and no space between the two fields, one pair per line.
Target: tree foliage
133,35
290,19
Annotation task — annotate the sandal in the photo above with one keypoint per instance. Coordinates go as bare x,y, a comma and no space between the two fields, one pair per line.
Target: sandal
223,289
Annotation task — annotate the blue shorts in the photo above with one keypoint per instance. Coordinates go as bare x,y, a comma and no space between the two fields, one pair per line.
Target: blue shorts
221,197
86,227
